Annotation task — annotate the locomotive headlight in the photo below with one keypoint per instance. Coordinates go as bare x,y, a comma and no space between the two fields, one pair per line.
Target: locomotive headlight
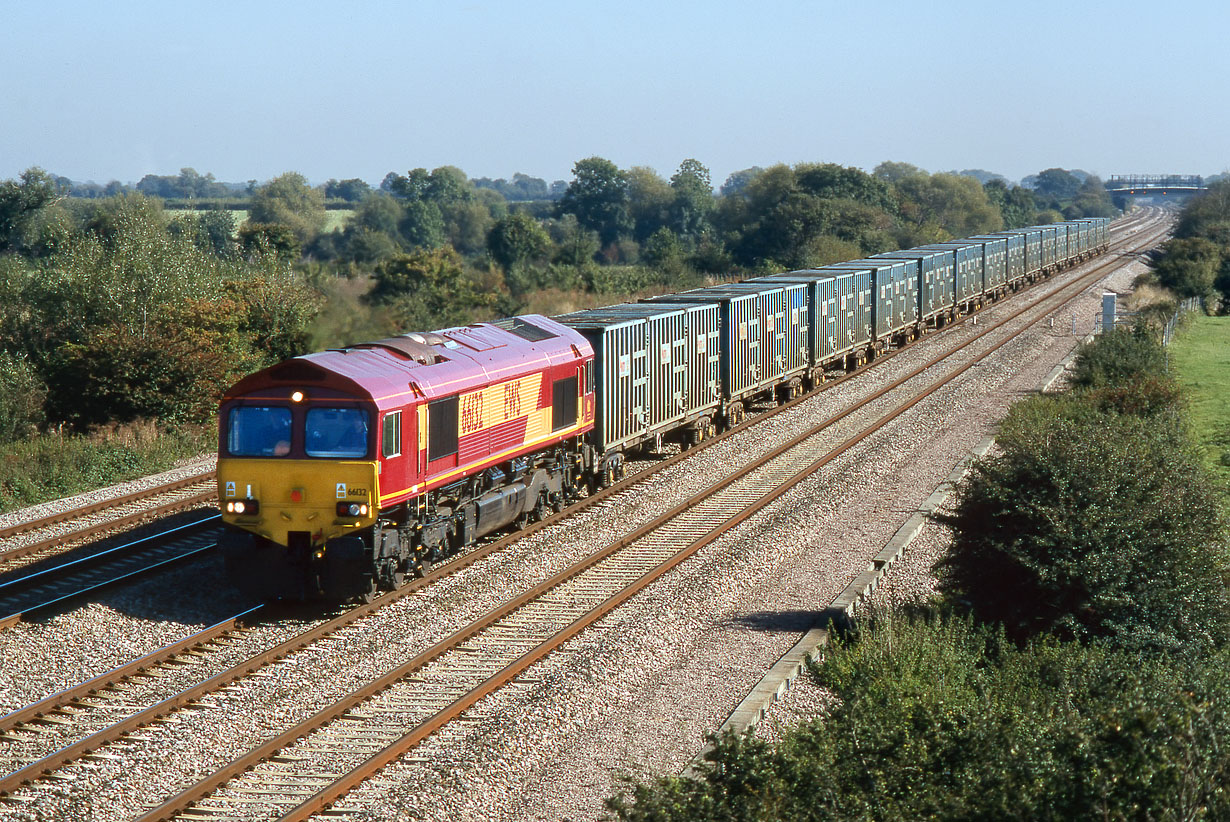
297,396
243,506
352,509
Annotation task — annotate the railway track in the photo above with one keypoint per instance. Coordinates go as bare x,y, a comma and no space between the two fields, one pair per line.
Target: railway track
42,539
30,595
554,604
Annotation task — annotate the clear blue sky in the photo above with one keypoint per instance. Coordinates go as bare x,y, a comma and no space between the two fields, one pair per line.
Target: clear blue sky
248,90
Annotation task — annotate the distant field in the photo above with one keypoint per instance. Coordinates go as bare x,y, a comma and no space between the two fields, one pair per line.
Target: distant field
337,218
334,219
1200,356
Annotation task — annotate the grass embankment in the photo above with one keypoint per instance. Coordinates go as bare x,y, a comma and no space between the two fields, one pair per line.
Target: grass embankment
1200,358
52,465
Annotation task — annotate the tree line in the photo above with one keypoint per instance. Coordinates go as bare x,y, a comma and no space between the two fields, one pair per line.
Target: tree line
1073,664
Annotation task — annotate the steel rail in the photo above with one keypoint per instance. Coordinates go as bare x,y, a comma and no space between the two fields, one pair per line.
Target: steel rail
60,573
102,505
57,702
345,783
82,534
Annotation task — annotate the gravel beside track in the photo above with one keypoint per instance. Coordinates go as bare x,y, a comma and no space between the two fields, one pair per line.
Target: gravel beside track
636,695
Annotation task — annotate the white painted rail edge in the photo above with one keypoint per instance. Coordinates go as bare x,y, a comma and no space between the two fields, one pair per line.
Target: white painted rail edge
781,676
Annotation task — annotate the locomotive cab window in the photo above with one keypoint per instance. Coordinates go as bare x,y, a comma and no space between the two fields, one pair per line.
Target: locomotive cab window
564,403
337,433
258,431
390,435
441,428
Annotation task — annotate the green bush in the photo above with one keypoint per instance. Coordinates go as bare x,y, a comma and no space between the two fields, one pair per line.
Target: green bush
1119,357
22,395
1092,524
939,719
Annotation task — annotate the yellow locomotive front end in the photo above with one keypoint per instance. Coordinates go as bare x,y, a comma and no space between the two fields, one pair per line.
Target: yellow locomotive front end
281,500
298,487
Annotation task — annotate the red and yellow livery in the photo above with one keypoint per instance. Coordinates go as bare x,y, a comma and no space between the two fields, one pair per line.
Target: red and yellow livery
341,472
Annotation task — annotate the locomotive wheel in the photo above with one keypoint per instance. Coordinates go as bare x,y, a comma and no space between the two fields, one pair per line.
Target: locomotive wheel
398,577
542,508
371,591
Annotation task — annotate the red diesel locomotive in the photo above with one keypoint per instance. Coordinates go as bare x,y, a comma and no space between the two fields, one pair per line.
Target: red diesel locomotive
342,472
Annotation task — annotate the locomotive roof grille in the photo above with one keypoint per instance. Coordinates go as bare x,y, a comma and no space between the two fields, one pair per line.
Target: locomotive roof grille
410,346
524,330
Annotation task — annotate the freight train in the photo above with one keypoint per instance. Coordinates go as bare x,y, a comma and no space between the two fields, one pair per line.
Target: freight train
344,472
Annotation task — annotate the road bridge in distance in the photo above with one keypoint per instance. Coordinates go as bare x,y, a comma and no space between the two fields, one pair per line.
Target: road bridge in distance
1155,185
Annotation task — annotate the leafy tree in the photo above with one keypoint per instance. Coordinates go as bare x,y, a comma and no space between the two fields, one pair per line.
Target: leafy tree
665,252
1092,200
1124,356
353,190
273,312
171,369
893,172
20,201
1057,184
523,187
1016,205
517,239
957,205
466,223
22,394
650,199
1203,215
189,184
428,288
378,212
693,200
739,180
847,183
446,184
288,200
598,198
941,719
981,175
276,239
212,230
364,245
422,225
50,229
449,184
1189,266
